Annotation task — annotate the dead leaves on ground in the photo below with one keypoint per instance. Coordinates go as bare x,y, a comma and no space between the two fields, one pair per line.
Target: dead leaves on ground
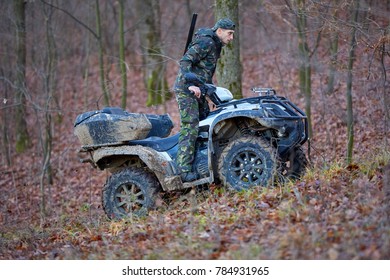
339,215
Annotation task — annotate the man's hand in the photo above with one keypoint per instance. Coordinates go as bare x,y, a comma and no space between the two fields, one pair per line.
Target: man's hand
211,104
195,90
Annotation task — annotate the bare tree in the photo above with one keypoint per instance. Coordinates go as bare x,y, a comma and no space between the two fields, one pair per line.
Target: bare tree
152,55
381,52
334,47
4,124
229,65
298,8
385,49
122,61
98,37
103,80
351,59
49,89
22,137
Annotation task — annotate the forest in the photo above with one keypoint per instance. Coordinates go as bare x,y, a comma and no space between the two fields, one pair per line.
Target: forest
60,58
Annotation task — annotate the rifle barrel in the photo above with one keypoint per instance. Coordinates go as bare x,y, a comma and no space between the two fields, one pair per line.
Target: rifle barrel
191,31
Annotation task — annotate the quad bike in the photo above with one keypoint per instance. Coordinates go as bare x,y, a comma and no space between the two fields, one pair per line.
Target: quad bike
241,144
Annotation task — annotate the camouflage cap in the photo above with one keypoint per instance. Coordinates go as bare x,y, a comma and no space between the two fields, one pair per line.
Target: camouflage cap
224,23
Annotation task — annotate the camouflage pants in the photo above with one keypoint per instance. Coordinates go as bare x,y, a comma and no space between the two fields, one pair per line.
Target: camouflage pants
189,108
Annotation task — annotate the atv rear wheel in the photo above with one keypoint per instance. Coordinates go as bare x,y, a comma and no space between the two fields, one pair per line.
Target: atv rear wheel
130,191
247,162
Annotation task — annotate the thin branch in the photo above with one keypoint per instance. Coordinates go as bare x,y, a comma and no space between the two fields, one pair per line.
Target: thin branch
73,17
318,40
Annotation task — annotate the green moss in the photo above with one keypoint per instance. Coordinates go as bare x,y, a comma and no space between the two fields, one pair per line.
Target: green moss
22,142
157,89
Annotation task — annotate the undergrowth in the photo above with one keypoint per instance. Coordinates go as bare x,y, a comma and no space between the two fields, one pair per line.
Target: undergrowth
334,212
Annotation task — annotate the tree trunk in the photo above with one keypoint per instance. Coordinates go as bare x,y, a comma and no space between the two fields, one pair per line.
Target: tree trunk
386,95
122,57
85,64
103,82
49,92
334,43
351,59
22,137
5,124
153,60
229,65
334,48
304,60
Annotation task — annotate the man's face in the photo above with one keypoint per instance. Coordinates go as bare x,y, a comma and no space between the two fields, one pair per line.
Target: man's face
225,35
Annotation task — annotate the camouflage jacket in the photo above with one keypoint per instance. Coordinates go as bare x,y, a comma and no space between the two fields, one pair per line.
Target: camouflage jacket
200,58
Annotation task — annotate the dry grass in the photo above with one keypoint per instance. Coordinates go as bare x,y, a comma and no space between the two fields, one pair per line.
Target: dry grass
337,212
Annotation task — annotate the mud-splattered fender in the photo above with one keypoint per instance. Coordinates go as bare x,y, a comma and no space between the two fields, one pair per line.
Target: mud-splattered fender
158,162
257,115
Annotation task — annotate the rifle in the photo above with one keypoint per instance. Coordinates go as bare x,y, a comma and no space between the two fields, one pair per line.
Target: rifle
191,31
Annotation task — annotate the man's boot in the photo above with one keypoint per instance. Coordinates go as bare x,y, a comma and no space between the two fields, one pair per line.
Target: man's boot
188,176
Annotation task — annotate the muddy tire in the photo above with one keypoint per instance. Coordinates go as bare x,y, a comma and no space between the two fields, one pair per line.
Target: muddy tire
247,162
130,192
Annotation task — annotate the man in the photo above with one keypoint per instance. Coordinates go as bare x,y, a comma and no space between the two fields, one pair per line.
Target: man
200,59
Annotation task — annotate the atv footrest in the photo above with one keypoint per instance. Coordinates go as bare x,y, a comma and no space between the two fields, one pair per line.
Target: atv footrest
202,181
175,183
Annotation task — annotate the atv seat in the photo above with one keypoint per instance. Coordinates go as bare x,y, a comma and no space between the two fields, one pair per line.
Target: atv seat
157,143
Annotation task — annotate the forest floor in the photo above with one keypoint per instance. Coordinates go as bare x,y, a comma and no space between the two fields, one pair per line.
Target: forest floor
336,211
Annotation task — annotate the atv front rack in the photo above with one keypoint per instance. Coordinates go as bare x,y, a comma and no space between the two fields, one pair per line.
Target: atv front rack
263,91
274,108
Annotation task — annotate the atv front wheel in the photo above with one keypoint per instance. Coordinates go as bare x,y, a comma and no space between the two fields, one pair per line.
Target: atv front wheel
247,162
130,191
